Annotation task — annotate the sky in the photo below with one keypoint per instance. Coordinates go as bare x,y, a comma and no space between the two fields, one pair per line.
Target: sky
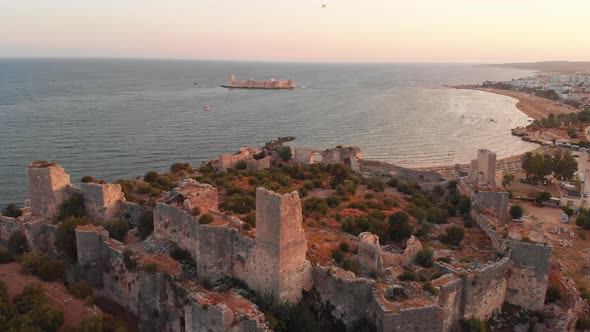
477,31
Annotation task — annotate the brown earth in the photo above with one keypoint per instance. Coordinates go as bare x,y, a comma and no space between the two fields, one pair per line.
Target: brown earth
74,309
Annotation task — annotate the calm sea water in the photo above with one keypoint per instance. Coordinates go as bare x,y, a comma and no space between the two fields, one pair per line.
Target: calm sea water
120,118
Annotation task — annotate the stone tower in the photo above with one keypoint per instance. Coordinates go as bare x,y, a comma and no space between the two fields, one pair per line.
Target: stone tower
280,246
102,201
48,187
484,167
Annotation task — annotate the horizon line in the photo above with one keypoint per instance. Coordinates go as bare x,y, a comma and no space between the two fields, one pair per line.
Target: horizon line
264,61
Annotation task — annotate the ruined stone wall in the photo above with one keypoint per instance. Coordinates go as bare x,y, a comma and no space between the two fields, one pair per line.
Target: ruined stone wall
529,272
130,213
215,251
258,165
39,234
369,254
428,318
174,224
230,160
382,169
101,201
481,220
304,156
48,188
450,299
280,247
350,297
485,291
495,201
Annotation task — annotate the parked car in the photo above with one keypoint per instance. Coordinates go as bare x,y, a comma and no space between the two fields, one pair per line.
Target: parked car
518,219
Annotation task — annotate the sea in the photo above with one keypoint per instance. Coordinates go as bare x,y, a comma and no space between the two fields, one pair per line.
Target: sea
114,118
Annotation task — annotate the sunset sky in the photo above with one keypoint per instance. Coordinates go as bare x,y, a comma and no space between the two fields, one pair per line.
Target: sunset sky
300,30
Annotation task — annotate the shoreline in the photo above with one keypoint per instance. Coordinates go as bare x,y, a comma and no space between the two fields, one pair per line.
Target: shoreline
533,106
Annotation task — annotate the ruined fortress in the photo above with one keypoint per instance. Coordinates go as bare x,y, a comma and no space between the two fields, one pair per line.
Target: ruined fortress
272,258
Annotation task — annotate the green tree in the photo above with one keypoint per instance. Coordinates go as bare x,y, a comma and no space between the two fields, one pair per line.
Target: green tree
516,211
542,197
436,215
464,204
11,210
527,160
72,207
454,235
507,180
117,229
424,257
65,237
565,166
285,153
399,227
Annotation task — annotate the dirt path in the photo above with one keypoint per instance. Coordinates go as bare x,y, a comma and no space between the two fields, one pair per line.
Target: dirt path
59,298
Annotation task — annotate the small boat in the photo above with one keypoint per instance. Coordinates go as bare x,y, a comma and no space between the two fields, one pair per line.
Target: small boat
206,108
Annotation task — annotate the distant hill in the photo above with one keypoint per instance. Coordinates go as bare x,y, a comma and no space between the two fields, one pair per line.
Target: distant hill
549,66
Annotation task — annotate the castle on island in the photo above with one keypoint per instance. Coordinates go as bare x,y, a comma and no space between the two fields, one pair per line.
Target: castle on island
251,84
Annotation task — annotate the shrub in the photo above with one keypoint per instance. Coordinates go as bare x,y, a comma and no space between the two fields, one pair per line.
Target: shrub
516,211
399,227
350,265
344,246
467,221
284,153
315,204
32,312
150,177
454,235
333,201
180,254
80,290
250,219
464,204
145,224
205,219
5,256
65,237
583,221
553,294
51,270
12,211
117,229
150,267
240,204
424,257
408,276
129,262
390,202
179,167
393,182
429,287
99,323
87,179
317,183
436,215
72,207
375,183
338,255
583,324
18,243
474,325
46,268
196,211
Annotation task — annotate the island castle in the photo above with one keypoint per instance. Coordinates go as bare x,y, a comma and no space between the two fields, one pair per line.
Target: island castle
273,257
251,84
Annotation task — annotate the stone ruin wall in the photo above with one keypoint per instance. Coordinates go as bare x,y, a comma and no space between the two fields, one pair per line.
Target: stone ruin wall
160,303
428,318
497,202
39,234
131,213
451,300
529,273
273,262
101,201
498,242
174,224
485,291
258,165
48,187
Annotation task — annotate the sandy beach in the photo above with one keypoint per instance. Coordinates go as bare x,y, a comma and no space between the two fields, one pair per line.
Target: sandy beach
533,106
